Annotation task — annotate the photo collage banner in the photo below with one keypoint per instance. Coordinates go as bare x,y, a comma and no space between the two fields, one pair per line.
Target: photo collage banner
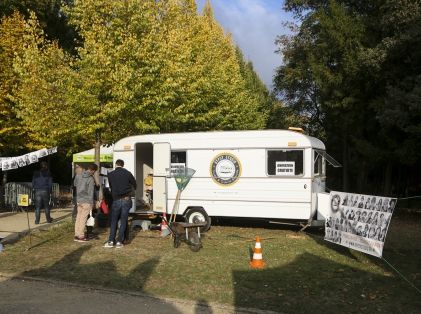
9,163
359,221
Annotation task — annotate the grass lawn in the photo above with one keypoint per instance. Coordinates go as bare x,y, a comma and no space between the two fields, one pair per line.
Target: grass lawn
303,273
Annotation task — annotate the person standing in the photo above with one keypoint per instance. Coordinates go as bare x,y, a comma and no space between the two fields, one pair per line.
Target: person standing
122,184
42,184
85,190
78,170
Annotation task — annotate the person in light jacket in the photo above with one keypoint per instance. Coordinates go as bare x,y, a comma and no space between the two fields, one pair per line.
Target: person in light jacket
85,188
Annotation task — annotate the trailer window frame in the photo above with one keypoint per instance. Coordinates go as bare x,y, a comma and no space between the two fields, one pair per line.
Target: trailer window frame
273,166
321,164
173,153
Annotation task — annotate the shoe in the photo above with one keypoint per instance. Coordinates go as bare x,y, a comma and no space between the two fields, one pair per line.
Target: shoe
77,239
50,220
119,245
37,222
92,236
109,244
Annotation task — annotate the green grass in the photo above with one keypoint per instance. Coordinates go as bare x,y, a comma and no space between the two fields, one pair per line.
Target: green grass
303,273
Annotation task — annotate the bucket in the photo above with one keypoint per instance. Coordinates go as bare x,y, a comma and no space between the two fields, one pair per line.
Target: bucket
102,220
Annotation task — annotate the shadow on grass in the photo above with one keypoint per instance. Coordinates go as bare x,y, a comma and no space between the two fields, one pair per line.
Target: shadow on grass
401,246
100,274
255,223
202,307
314,284
342,250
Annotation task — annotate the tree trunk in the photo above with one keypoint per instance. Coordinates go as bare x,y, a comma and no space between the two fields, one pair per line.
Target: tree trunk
3,188
361,178
4,180
98,163
344,163
387,178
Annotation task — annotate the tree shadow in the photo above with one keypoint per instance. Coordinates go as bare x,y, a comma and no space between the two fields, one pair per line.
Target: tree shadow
339,249
202,307
314,284
256,223
70,269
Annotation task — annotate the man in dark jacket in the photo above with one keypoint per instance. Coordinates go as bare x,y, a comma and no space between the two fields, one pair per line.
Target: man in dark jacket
122,184
42,184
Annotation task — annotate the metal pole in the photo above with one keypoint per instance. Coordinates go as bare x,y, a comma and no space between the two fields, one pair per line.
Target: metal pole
177,200
30,232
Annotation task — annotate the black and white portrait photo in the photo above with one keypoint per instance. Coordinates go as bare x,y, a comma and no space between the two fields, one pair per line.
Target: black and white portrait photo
42,153
5,165
33,157
21,161
359,221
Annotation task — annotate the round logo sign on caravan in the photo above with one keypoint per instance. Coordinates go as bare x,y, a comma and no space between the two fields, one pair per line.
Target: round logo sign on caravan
225,169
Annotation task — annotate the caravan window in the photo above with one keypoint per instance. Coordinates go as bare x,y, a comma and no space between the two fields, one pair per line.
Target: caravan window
178,160
318,164
285,162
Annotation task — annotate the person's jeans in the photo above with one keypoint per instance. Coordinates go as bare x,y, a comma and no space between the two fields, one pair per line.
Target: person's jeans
42,200
119,210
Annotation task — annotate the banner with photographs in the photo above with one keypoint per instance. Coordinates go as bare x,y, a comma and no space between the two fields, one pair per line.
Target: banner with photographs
358,221
9,163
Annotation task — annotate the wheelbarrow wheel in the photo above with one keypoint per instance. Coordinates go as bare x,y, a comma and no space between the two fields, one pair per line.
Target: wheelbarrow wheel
177,241
194,242
198,215
195,247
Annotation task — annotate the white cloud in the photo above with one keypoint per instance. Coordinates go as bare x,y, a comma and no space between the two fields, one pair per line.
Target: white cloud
254,24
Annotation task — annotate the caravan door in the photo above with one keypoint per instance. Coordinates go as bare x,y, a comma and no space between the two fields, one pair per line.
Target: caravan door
161,164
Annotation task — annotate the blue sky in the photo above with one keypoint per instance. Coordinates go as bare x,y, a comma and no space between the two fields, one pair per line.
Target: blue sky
254,24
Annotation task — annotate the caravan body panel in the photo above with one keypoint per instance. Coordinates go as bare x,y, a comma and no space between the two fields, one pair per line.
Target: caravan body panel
256,188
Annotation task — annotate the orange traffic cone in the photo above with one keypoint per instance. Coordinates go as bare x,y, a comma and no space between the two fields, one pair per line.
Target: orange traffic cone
257,261
164,228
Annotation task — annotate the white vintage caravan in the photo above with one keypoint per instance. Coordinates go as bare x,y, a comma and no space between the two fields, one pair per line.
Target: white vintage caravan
273,174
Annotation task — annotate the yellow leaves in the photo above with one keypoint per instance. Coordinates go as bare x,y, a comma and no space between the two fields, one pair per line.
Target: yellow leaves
144,66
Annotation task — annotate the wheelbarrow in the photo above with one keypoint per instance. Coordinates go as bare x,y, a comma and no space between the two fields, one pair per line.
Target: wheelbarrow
188,233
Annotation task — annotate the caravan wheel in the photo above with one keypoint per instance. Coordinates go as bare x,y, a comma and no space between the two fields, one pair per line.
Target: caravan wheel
198,215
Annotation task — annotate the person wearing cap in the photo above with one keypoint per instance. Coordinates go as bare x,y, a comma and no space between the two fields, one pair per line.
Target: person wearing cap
42,184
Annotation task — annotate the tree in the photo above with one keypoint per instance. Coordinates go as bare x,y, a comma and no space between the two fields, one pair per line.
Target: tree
141,66
320,76
344,69
45,73
12,135
50,17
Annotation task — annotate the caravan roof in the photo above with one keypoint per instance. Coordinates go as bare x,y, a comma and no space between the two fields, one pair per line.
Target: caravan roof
224,140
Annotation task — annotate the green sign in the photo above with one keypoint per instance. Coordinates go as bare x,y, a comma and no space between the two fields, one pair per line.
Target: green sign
91,158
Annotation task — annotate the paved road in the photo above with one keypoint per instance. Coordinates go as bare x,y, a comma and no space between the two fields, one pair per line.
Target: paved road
23,295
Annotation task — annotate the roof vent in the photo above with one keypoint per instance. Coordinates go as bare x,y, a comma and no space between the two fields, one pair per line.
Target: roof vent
300,130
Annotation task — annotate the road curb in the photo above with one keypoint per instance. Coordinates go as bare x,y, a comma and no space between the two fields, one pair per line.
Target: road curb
5,214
